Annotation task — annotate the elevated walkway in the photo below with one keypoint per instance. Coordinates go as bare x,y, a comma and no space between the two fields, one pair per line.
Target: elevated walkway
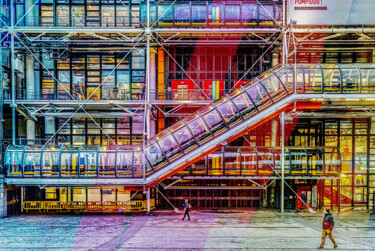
195,137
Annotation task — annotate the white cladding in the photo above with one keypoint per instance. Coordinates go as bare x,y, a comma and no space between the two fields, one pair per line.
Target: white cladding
332,12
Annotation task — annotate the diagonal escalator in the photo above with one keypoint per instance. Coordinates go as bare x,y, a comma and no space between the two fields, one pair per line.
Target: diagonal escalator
219,123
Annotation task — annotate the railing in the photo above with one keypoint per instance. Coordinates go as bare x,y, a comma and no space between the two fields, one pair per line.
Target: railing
61,94
114,94
265,161
249,103
88,206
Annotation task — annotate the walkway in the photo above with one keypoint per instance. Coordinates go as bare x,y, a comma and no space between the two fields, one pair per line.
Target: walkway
208,230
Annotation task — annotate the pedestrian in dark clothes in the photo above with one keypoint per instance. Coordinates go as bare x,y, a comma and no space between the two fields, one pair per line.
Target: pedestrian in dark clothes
187,207
328,224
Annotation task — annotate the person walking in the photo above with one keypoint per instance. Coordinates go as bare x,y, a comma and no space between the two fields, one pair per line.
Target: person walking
328,224
187,207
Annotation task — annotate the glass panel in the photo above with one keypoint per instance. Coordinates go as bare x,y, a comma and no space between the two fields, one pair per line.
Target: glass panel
32,163
227,110
182,12
360,154
184,138
139,163
350,78
245,103
198,13
69,163
50,163
123,85
274,87
93,15
13,160
62,12
249,12
47,15
198,129
313,79
213,121
124,163
266,12
368,79
108,87
79,85
87,163
78,16
168,16
232,162
154,154
215,13
169,146
232,13
265,163
259,95
107,160
122,16
332,78
212,118
248,163
215,162
63,87
108,16
286,76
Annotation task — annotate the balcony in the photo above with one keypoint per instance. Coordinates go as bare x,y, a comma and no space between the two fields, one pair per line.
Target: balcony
158,96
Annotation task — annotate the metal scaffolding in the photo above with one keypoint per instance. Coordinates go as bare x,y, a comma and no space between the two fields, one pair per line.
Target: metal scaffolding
147,35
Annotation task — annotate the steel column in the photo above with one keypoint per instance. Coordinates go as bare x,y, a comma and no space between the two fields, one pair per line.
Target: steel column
13,75
147,101
282,160
148,200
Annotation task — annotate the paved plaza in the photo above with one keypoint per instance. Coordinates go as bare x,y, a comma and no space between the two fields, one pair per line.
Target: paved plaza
164,230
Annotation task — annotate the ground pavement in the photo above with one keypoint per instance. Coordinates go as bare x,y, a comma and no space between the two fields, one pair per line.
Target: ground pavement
164,230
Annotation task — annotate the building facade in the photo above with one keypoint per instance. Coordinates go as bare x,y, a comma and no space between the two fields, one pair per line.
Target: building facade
88,85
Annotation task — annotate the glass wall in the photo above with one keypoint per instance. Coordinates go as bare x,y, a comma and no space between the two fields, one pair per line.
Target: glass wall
353,138
207,64
78,13
80,76
126,13
86,132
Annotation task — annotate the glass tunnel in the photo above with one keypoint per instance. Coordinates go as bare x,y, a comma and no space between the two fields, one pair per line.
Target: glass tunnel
114,161
222,115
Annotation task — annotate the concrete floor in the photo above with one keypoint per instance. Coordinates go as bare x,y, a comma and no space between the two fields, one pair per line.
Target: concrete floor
207,230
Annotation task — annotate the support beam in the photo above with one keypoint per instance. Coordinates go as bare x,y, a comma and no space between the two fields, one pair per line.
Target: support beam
50,125
282,161
148,200
274,132
153,94
30,131
30,78
13,75
3,200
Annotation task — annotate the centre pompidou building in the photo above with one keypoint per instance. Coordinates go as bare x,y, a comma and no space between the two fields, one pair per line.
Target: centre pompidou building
130,105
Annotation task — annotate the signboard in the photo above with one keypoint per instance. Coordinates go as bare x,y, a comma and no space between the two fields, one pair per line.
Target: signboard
332,12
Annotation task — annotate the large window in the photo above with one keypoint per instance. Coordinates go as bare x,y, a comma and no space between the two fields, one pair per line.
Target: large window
213,64
81,76
83,131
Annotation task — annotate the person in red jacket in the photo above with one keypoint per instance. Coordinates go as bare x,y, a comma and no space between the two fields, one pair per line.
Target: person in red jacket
328,224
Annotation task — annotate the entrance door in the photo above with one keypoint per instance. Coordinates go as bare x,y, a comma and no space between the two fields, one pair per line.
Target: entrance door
309,196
